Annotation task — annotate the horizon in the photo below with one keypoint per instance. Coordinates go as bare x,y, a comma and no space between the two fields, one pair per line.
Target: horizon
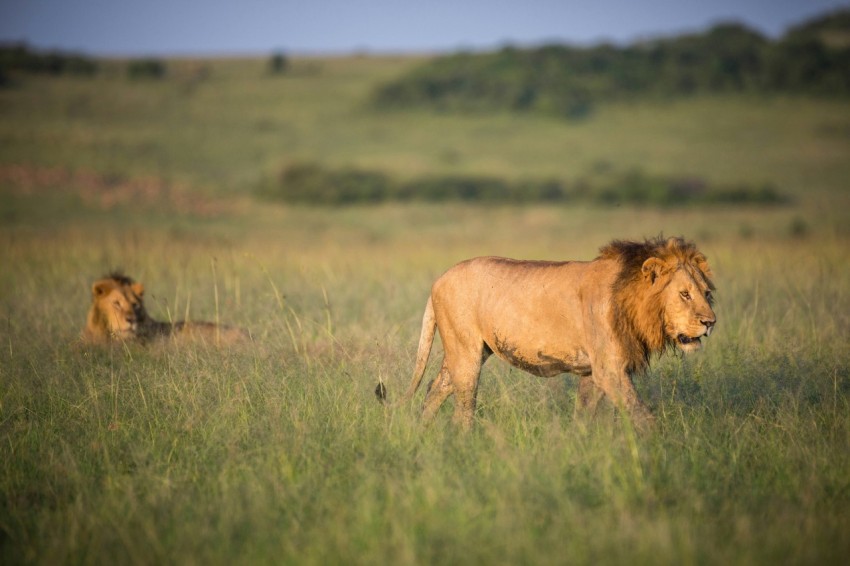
379,28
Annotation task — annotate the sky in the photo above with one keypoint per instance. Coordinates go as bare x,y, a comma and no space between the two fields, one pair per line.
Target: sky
250,27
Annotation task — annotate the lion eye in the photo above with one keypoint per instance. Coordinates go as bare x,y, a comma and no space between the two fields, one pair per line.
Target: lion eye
686,295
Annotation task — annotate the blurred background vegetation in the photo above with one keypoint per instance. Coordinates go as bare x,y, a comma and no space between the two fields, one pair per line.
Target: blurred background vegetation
547,124
315,199
813,58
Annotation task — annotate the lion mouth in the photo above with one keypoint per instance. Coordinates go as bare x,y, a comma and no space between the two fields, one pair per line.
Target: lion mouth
685,340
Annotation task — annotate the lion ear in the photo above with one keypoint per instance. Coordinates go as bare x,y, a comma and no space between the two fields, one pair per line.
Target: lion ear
654,268
138,289
102,287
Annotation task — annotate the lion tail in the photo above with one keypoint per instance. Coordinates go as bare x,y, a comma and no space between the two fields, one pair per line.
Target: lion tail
426,340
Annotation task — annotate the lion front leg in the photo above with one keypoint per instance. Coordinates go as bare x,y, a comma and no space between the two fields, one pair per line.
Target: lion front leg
588,396
621,392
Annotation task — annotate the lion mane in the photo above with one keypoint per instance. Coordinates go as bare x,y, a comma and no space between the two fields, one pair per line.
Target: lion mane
601,320
637,314
116,309
117,312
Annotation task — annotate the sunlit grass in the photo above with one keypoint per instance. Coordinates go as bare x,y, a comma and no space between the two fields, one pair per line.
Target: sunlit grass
276,451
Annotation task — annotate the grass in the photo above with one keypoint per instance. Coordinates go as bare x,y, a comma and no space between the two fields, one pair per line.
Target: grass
241,126
277,452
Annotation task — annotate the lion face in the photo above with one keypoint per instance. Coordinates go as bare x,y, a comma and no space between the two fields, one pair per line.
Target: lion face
688,315
119,306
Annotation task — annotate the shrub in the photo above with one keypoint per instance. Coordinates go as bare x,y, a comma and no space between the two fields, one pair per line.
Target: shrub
637,188
146,69
19,57
463,188
311,183
278,63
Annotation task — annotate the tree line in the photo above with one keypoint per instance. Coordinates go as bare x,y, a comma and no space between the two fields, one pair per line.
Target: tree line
20,58
813,58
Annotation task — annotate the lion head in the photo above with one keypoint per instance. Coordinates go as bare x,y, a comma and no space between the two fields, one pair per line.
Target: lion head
662,296
117,309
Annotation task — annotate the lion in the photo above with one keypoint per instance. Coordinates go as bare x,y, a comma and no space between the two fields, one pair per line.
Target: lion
601,320
118,312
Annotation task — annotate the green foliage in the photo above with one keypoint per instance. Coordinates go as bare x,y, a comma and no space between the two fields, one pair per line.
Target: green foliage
802,63
310,183
568,81
481,189
635,187
149,68
20,58
278,63
832,28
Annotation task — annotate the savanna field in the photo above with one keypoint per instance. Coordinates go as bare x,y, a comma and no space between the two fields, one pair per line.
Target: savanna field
276,451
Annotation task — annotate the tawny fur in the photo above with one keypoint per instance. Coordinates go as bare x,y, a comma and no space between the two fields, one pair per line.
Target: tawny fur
117,312
601,320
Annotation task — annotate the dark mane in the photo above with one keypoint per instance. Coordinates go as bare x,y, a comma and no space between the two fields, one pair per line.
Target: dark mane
631,256
119,277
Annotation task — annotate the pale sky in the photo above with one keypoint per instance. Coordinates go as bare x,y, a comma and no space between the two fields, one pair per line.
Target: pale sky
218,27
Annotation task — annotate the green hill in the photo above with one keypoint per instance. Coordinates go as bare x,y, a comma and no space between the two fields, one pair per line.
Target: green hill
568,81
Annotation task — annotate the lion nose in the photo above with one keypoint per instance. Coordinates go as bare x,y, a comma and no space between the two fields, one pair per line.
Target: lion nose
708,322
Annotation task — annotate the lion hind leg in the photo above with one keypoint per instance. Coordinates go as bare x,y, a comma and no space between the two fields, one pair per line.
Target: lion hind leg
465,401
439,390
465,373
459,377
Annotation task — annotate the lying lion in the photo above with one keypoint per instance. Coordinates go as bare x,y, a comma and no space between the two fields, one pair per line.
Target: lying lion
600,320
118,312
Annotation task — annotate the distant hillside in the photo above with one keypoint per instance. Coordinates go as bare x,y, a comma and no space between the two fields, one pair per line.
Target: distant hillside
813,58
832,29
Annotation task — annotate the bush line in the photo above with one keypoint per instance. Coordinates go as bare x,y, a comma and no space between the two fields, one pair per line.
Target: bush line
314,184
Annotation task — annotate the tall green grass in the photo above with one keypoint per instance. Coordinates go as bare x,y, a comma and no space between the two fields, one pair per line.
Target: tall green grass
276,450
